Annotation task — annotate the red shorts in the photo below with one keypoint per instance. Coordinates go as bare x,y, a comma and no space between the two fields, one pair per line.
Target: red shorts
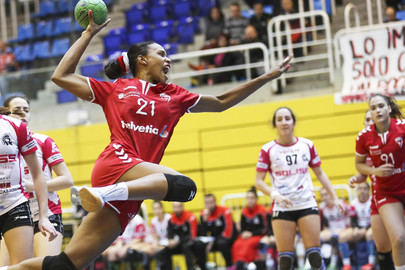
112,163
373,207
383,198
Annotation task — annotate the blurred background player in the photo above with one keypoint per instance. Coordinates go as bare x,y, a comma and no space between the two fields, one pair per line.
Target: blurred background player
252,228
216,222
287,159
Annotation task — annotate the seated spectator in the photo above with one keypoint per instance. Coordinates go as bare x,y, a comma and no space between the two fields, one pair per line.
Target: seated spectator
274,3
253,228
255,55
7,64
227,59
259,21
361,226
390,15
214,26
182,231
216,221
235,24
134,233
335,231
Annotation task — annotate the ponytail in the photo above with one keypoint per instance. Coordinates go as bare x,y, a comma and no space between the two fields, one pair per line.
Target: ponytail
125,63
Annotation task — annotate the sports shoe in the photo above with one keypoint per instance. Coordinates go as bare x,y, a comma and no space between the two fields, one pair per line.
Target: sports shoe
91,199
74,195
347,267
368,266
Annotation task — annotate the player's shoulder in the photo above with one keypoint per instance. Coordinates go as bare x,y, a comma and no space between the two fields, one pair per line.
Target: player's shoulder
12,120
40,137
305,141
364,132
266,147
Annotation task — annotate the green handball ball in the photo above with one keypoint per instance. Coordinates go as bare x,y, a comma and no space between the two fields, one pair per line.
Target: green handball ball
82,10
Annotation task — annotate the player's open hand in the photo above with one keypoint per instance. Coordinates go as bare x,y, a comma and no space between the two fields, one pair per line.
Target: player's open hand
46,228
384,170
94,28
276,71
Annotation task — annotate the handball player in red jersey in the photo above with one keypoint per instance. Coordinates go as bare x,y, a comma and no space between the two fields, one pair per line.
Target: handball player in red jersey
383,144
141,114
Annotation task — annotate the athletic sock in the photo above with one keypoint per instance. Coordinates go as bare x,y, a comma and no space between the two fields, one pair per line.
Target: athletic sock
345,251
371,252
116,192
402,267
385,261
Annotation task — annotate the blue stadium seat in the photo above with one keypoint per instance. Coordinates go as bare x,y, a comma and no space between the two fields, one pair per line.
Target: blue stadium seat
25,32
23,53
204,7
44,29
65,7
120,31
46,8
64,96
318,6
185,30
41,50
171,48
181,9
268,9
162,32
93,70
94,57
159,12
401,15
112,43
59,47
109,3
62,26
138,33
135,15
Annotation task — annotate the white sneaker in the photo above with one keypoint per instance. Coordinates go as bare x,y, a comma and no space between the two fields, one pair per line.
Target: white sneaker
91,199
74,195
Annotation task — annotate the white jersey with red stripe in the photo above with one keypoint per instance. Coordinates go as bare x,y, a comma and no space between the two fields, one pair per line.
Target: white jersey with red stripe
141,116
288,167
336,220
363,212
48,155
15,141
136,229
160,228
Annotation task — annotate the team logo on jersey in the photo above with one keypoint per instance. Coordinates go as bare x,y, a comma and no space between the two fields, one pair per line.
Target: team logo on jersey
7,140
399,141
305,158
165,97
374,150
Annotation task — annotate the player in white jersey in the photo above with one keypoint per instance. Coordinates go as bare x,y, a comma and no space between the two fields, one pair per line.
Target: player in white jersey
159,224
50,160
379,233
288,159
15,218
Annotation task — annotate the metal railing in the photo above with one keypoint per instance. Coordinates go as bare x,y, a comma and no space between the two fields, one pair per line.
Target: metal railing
370,12
348,9
245,48
280,43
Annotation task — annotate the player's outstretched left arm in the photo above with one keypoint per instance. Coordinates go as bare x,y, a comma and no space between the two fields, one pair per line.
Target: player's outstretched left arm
64,75
234,96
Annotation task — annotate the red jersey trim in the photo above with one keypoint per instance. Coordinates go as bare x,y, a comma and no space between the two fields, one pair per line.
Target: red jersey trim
195,104
91,89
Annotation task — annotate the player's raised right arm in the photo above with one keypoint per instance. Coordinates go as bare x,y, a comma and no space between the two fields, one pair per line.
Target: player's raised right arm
64,75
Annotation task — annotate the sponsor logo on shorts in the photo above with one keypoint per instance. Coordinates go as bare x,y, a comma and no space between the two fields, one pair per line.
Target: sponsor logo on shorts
382,200
120,152
20,217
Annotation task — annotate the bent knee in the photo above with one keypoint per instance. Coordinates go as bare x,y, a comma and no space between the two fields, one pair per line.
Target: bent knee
180,188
